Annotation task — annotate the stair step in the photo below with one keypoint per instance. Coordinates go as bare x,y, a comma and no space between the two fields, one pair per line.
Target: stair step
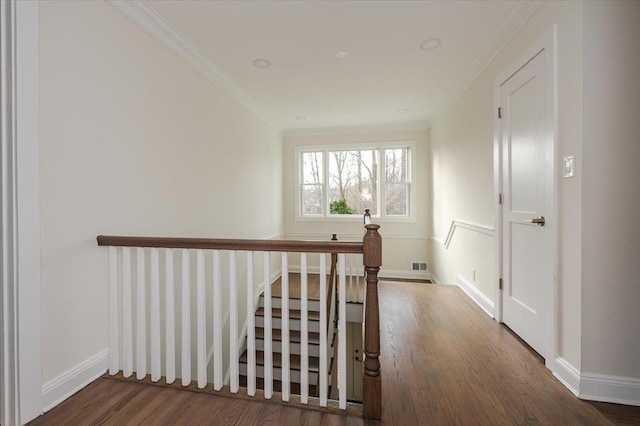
276,302
277,386
294,336
293,314
295,347
294,360
294,324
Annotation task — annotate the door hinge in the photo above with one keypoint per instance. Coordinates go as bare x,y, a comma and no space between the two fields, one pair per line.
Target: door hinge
499,112
500,198
500,284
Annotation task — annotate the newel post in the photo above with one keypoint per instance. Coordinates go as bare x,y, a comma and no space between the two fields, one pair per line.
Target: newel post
371,382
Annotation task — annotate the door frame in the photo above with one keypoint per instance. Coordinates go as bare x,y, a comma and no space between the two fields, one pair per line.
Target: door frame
548,43
20,307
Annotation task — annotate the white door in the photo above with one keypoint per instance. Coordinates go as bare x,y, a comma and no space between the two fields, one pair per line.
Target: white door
527,159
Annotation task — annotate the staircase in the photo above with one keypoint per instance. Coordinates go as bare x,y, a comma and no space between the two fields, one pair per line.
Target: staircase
295,322
142,269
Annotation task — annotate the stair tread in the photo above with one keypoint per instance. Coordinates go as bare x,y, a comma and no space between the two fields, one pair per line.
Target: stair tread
294,335
294,360
294,388
293,314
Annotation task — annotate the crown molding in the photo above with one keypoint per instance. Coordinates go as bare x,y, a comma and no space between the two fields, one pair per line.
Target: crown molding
350,130
508,28
149,20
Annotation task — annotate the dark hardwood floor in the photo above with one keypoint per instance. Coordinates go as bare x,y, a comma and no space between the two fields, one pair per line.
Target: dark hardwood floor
444,361
465,368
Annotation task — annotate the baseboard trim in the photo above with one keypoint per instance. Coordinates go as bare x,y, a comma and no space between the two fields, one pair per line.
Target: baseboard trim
396,273
71,381
605,388
567,374
476,295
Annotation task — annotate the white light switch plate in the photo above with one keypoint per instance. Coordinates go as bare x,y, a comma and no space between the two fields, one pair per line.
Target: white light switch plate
569,167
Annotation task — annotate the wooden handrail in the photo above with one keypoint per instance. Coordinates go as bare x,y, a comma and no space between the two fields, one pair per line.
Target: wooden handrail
371,382
291,246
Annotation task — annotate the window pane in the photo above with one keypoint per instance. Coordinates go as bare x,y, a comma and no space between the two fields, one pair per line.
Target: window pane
311,199
396,199
396,164
353,184
312,167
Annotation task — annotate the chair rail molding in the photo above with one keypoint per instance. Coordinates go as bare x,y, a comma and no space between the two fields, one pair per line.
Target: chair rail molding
483,229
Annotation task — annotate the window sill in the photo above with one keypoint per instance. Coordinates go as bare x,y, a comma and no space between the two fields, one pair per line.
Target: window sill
355,218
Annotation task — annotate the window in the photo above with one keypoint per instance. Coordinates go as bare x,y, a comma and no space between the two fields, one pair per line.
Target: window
344,181
397,182
353,181
312,183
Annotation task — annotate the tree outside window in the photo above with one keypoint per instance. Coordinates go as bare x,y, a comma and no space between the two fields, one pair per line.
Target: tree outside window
312,183
353,178
397,184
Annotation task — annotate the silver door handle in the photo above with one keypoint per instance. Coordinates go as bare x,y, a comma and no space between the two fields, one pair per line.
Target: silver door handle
540,221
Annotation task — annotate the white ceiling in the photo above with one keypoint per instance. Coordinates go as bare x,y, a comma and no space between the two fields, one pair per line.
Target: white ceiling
385,71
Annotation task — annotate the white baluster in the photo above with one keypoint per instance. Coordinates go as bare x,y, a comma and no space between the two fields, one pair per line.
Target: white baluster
304,331
155,316
114,349
217,322
233,326
351,295
127,321
323,331
201,326
141,346
358,299
186,318
170,328
286,384
268,344
342,337
251,330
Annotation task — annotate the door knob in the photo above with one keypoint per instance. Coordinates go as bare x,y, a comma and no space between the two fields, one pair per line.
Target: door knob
536,220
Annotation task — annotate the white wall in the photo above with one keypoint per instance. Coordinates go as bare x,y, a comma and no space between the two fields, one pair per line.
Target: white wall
462,185
133,142
611,191
403,242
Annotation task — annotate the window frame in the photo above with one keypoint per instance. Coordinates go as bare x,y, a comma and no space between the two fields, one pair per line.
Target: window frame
380,147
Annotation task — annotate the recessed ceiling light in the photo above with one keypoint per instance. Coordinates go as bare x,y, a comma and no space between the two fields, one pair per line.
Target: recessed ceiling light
261,63
430,44
301,118
341,54
403,110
